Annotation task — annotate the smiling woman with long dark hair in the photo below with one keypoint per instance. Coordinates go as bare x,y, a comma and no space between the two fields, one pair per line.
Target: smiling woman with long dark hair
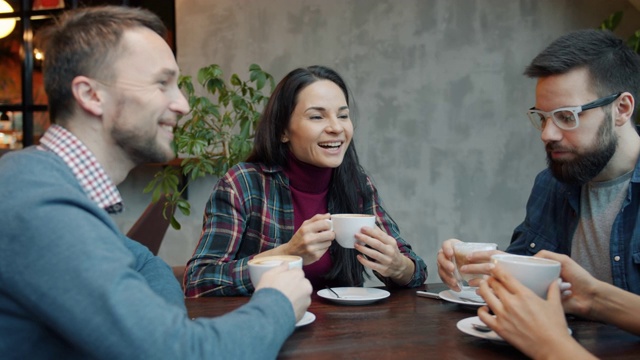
303,166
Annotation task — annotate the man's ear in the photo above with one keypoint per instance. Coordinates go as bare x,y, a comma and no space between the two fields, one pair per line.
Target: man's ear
85,91
624,108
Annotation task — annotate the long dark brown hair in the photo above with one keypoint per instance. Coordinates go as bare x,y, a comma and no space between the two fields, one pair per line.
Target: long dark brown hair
348,186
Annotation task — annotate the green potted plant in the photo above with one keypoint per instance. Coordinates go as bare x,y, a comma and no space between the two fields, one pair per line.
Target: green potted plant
612,22
215,135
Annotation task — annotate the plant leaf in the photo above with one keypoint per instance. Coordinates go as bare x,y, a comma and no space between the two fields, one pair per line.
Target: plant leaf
235,80
612,22
175,224
216,134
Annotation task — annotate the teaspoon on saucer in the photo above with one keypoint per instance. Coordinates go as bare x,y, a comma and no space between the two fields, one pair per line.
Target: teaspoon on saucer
334,293
471,300
480,327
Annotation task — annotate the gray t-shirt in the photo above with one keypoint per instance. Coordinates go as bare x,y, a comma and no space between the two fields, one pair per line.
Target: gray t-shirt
600,203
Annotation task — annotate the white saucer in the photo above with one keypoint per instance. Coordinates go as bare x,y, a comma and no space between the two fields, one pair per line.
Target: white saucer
307,319
454,297
354,295
464,325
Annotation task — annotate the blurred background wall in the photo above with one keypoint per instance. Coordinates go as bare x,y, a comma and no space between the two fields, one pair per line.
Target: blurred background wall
438,92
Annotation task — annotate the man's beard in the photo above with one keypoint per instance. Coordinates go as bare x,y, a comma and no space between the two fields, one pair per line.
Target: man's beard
587,164
141,148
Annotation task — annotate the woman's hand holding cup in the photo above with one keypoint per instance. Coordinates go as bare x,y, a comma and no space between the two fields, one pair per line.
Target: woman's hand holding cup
311,241
380,253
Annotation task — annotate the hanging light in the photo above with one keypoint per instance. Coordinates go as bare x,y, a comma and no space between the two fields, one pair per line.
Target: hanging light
6,25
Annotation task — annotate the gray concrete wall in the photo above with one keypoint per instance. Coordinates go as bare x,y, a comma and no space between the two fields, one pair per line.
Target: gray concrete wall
438,90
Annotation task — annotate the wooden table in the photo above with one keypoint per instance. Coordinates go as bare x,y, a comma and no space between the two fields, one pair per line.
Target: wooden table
405,326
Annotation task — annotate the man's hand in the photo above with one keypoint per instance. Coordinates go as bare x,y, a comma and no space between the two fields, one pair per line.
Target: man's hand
292,283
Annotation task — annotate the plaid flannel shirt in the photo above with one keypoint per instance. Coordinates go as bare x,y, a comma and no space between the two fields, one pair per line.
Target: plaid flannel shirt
250,211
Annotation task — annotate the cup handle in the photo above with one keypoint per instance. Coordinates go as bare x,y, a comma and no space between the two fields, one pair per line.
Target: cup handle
330,223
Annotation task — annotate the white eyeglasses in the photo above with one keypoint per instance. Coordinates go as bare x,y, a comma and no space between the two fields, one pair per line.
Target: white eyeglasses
566,118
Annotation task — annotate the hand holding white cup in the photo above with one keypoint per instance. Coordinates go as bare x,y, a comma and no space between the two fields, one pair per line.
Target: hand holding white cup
346,226
259,266
533,272
461,251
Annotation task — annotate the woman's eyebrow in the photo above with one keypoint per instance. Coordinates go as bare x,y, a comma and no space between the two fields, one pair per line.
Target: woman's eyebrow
317,108
320,108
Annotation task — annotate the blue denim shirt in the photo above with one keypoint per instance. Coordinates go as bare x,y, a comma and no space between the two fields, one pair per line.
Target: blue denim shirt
552,217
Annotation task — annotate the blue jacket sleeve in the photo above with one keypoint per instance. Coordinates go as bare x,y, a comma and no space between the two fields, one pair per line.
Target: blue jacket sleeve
157,273
73,286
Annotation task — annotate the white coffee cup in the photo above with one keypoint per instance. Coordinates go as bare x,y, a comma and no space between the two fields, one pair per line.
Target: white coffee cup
535,273
259,266
346,226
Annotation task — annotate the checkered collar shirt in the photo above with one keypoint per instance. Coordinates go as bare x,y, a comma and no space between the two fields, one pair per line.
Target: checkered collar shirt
86,168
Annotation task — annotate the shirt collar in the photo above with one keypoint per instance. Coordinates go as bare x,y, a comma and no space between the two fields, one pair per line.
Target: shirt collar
636,172
90,174
306,177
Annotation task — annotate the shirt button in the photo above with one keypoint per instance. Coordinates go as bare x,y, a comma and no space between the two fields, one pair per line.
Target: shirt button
532,245
616,258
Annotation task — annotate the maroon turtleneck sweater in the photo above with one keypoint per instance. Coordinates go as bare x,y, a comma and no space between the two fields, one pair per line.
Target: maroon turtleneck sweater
309,186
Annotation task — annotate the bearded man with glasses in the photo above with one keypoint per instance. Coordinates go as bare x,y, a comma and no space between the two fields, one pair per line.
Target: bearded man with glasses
586,204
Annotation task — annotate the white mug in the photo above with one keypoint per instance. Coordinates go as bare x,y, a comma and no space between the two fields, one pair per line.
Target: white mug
347,225
535,273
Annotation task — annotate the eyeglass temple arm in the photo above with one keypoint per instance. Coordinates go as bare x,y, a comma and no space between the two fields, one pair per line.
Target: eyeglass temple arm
601,102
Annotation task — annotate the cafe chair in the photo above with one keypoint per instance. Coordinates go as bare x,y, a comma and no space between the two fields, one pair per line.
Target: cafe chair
178,272
151,226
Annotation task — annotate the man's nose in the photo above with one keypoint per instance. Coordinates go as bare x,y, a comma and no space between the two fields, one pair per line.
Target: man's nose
550,131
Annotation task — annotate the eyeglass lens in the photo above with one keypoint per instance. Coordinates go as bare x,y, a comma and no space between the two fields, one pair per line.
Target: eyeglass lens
564,119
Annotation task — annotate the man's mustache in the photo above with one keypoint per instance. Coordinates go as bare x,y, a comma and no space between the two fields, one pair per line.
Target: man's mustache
554,146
